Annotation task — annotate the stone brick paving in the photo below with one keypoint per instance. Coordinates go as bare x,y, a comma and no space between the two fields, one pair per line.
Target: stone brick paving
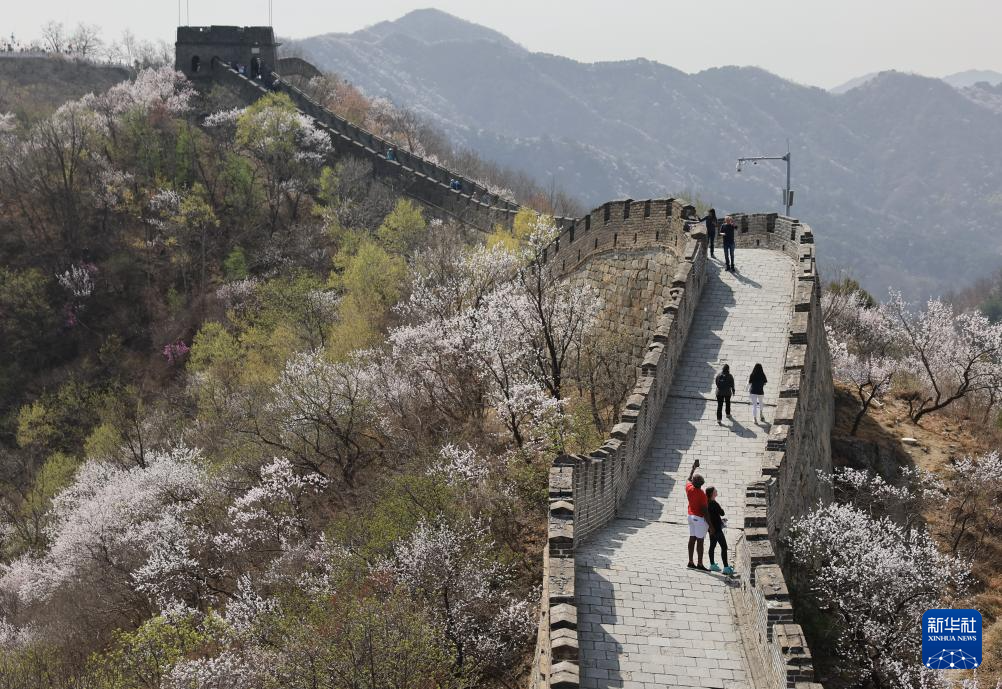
644,619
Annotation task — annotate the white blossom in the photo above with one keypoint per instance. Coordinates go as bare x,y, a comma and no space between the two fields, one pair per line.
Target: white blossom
867,489
272,510
228,670
985,471
468,590
237,293
246,608
223,117
109,518
78,280
328,413
8,122
460,466
872,373
323,303
13,638
955,354
172,565
876,578
112,186
153,89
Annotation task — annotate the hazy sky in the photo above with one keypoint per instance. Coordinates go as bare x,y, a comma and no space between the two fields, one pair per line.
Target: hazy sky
811,41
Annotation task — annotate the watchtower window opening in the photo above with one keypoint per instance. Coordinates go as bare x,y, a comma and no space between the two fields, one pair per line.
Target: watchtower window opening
647,208
608,213
626,210
196,63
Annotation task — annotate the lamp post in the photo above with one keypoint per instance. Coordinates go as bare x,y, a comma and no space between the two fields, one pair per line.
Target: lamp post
787,192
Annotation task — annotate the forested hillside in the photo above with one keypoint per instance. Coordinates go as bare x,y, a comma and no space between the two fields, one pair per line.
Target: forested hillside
34,86
262,422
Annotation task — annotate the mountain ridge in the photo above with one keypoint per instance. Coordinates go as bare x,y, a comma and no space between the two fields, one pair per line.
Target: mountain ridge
886,172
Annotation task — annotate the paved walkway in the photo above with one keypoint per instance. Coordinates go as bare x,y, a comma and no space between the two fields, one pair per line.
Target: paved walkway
644,620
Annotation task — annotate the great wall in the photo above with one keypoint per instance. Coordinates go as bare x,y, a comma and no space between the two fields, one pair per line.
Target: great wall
619,608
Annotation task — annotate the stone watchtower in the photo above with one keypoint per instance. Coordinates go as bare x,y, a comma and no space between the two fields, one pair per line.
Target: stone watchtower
199,49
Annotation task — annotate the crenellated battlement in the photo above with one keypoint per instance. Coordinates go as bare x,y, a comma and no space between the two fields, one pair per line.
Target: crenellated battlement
619,225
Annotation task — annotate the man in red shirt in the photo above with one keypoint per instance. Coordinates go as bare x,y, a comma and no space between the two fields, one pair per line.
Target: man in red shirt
698,523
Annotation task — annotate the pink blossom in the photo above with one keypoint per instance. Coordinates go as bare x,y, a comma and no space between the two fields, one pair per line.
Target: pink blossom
173,352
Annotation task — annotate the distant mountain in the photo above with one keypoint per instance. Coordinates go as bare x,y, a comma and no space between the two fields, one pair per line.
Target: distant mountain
900,176
422,24
985,95
853,83
959,80
972,77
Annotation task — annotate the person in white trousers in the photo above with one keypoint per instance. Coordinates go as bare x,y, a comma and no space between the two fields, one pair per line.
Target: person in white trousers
756,392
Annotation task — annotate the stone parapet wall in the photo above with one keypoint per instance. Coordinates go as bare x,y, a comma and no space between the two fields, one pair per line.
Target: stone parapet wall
379,146
586,490
628,251
418,177
619,226
297,66
632,285
411,175
798,448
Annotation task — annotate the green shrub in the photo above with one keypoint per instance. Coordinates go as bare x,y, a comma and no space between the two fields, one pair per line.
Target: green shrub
235,265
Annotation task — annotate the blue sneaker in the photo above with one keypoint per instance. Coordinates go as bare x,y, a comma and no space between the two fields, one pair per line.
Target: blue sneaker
714,567
728,570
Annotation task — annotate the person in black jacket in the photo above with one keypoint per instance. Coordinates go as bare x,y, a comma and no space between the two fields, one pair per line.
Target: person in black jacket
711,229
756,392
715,513
727,231
725,388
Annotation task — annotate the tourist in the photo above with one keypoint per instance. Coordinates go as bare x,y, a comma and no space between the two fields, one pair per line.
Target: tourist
391,154
756,392
725,388
698,525
711,229
717,522
727,239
